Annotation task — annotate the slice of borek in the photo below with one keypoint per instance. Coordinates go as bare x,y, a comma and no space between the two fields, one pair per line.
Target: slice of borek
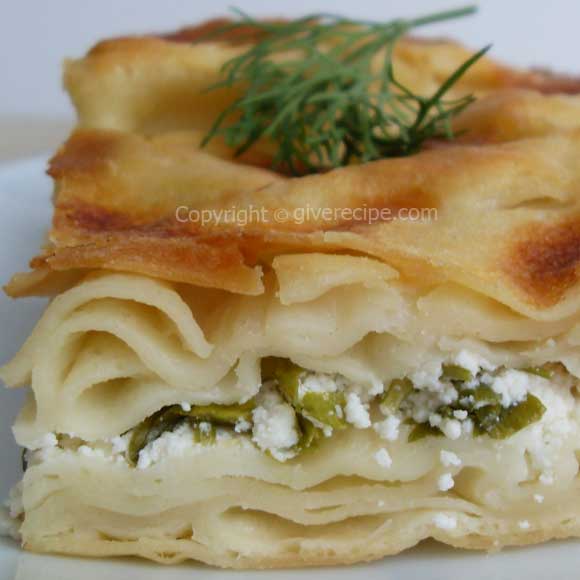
295,408
166,420
314,387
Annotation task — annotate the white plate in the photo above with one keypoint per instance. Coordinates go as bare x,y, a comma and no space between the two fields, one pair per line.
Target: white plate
24,216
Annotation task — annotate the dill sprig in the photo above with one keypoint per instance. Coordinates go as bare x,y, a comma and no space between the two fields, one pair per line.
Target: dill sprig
309,87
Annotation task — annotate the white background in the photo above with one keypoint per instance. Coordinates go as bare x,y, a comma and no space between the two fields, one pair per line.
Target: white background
35,35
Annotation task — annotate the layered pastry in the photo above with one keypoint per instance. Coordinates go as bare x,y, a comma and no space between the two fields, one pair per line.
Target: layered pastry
311,387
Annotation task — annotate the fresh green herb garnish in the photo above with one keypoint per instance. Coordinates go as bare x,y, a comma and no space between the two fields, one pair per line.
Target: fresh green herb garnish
312,87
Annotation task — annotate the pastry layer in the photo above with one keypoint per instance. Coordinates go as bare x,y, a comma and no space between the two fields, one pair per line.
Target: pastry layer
117,347
229,504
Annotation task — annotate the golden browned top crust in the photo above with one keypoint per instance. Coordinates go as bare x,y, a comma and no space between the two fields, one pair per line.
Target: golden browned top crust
151,84
500,206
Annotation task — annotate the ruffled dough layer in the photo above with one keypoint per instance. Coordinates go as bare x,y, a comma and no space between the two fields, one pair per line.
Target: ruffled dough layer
115,347
231,505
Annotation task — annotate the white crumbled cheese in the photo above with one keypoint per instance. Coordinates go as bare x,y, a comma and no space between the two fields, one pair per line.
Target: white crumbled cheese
486,378
326,429
274,425
467,427
316,383
120,444
146,458
389,428
185,406
242,426
111,449
377,388
538,498
445,522
451,428
445,482
467,401
472,362
171,443
448,458
524,525
222,433
512,386
46,441
448,394
356,413
275,428
544,439
435,419
422,404
383,458
432,392
427,377
89,451
44,447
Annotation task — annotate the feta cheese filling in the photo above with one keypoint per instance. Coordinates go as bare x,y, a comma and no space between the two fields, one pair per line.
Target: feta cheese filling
296,408
463,398
275,427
